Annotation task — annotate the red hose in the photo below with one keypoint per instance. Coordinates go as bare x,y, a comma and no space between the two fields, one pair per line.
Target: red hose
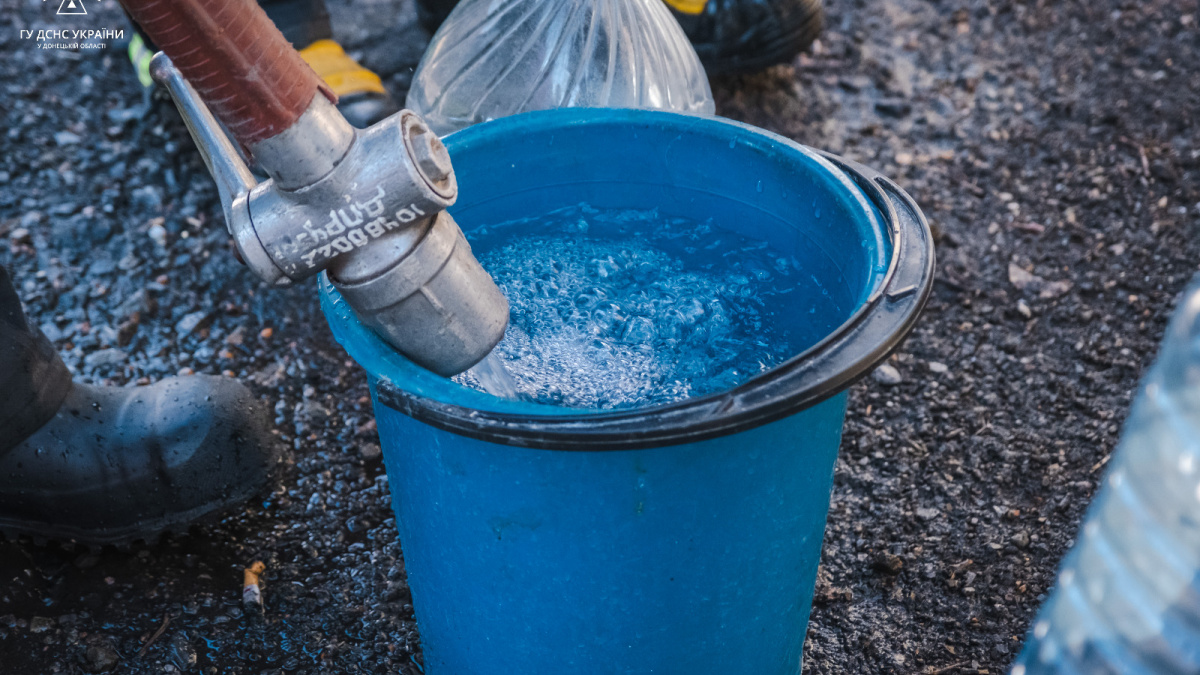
235,57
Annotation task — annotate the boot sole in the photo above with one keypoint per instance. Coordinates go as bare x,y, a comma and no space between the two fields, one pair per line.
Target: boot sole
149,532
781,49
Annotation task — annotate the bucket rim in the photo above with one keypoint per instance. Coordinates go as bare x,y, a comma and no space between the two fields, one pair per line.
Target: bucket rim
842,357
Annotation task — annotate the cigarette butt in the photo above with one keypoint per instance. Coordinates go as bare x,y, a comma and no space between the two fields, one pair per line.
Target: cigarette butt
251,592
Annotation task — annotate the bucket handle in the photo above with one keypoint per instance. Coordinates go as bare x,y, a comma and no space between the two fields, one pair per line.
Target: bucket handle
890,199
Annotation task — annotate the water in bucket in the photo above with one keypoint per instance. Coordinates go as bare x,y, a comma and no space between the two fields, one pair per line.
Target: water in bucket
618,308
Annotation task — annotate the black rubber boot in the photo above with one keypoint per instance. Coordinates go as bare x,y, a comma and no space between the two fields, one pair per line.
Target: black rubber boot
104,465
730,36
117,464
739,36
362,98
431,13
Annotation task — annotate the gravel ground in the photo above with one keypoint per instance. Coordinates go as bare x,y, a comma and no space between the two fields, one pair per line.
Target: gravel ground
1051,144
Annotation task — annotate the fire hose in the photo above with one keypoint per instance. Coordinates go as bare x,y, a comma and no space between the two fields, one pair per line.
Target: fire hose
365,206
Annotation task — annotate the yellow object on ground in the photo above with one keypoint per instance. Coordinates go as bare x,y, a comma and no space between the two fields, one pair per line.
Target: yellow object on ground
252,584
688,6
343,74
140,56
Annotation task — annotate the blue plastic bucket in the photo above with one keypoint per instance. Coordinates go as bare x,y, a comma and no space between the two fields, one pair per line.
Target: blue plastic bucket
681,538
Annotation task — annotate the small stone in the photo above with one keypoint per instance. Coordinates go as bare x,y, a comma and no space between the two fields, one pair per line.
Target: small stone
21,236
312,412
1024,310
887,374
158,234
123,115
148,197
1021,539
370,451
1054,289
271,375
180,652
938,368
887,564
106,358
102,658
52,332
1022,278
40,624
925,513
368,429
854,83
190,322
138,302
66,138
1030,227
893,107
125,333
101,266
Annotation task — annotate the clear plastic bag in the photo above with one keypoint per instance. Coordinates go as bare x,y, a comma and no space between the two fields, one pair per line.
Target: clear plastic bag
493,58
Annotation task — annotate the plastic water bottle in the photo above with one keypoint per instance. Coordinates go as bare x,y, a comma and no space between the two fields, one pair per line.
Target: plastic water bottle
1128,595
493,58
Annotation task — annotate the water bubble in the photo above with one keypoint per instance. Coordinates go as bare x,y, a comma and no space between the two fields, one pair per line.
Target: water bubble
588,299
638,330
691,310
618,308
604,268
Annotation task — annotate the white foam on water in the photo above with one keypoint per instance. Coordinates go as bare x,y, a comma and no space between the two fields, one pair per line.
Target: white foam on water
603,316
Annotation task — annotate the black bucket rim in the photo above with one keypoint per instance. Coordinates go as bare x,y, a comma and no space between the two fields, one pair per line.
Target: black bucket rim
832,365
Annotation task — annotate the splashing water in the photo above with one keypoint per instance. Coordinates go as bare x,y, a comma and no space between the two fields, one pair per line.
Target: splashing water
492,376
624,308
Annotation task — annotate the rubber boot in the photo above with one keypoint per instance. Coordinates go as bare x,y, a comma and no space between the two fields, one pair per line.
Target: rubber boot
362,98
103,465
739,36
730,36
431,13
